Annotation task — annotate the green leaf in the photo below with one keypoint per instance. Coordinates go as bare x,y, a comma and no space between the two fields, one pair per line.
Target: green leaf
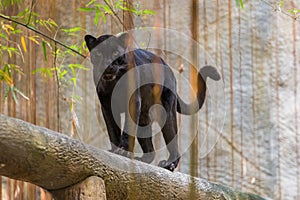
239,3
45,50
73,80
280,4
90,3
72,69
75,48
78,66
4,36
86,9
148,12
10,50
16,31
12,90
105,8
242,4
6,77
52,22
6,3
96,18
72,30
44,71
62,74
103,17
21,93
294,11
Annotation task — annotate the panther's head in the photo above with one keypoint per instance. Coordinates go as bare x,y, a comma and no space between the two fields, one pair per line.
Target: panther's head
108,57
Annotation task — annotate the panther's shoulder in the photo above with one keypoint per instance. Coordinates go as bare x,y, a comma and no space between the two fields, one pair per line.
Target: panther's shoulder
143,56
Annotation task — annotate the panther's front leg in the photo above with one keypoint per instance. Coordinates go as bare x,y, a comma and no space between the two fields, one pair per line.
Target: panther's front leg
112,125
131,123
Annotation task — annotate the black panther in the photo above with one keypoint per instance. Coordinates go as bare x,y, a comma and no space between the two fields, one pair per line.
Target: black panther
153,83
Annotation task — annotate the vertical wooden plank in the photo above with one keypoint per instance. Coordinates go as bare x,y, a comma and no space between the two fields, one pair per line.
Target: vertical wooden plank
128,24
13,111
31,189
205,43
253,64
241,102
45,195
296,102
55,84
253,84
128,17
217,57
9,188
15,190
84,80
278,127
231,92
194,150
1,179
21,189
1,93
161,42
1,111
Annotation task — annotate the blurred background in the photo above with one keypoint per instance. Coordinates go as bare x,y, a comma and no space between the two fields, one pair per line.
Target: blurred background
247,134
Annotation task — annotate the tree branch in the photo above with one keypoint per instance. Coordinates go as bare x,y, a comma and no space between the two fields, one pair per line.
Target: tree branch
42,34
54,161
115,14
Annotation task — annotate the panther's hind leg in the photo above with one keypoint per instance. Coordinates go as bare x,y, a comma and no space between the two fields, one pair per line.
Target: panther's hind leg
169,130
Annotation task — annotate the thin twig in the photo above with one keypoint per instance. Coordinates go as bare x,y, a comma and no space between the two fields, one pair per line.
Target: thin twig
42,34
115,14
295,17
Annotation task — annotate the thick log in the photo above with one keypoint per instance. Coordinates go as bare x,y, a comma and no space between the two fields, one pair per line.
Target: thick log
91,188
55,161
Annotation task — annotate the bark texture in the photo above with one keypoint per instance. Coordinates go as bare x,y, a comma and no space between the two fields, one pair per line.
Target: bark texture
55,161
89,189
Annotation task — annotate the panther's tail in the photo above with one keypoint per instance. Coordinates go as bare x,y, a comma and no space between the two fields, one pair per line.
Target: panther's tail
192,108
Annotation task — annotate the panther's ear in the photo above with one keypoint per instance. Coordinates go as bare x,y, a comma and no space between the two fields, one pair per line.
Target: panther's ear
123,38
90,41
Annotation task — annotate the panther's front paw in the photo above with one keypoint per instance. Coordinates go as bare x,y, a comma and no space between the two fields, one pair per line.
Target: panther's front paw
167,165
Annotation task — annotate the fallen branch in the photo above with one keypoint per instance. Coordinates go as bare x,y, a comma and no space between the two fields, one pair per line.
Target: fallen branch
55,161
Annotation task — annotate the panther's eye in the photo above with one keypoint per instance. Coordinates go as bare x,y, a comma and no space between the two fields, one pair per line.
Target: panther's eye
115,53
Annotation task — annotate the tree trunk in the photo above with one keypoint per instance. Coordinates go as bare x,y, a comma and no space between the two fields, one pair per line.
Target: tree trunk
55,161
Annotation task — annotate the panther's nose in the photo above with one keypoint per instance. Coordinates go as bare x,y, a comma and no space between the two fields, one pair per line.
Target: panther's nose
109,77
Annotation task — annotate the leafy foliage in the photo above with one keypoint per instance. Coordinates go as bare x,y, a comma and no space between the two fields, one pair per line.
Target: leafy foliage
8,69
102,10
5,3
12,27
239,3
9,47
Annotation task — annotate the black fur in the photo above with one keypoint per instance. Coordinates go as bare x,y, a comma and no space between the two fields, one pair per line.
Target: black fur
111,63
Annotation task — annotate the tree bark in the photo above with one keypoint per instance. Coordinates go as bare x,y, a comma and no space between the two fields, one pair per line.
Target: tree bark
89,189
55,161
